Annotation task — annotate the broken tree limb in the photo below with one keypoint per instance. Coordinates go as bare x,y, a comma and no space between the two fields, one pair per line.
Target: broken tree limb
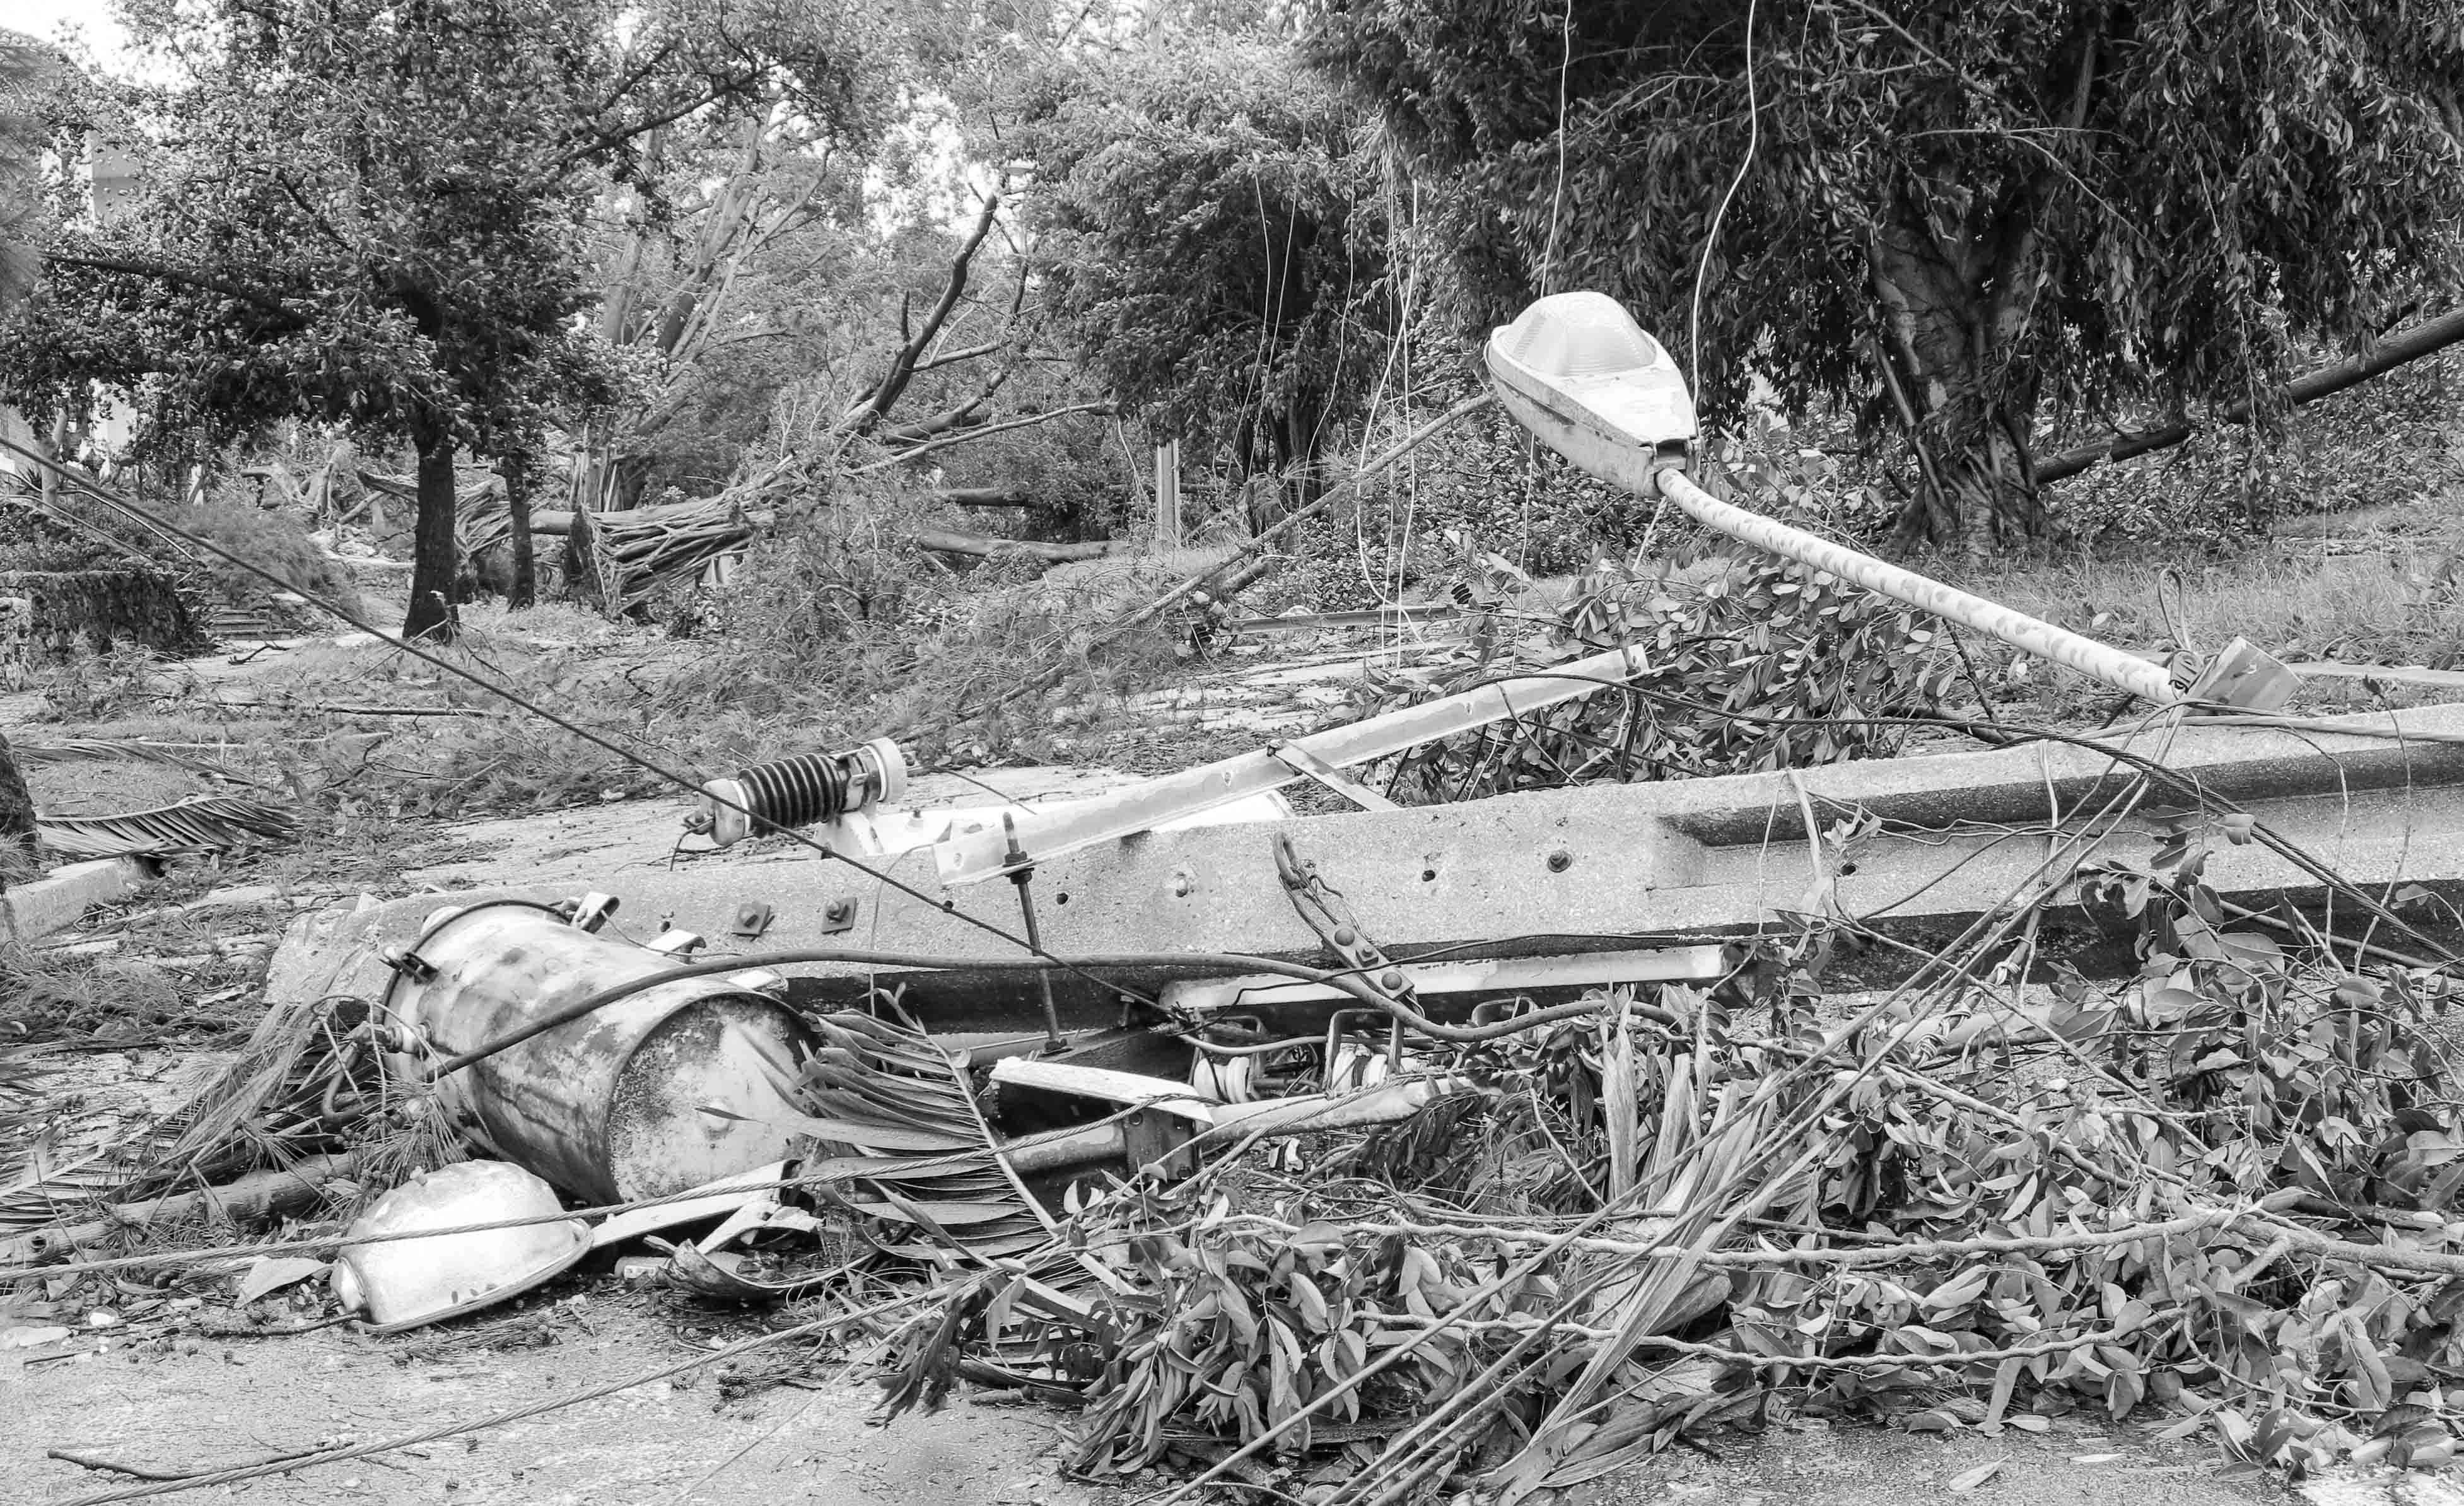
1152,610
969,415
985,546
624,556
983,497
260,1194
139,1471
2422,339
981,431
893,385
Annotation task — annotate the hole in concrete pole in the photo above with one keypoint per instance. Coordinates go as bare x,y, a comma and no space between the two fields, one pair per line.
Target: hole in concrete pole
1428,875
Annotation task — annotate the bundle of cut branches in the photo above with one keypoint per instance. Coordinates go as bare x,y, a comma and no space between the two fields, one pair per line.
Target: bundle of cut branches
199,823
620,559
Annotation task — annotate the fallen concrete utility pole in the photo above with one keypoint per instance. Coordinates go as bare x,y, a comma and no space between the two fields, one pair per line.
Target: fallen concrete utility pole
1577,371
1658,866
43,905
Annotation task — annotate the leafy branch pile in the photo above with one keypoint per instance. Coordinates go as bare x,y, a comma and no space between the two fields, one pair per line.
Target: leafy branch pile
1746,664
2222,1189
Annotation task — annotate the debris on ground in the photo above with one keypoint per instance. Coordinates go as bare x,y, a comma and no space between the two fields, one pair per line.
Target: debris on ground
1655,1040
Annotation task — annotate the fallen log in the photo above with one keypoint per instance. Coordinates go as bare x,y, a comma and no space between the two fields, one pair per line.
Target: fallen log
2421,340
984,496
985,546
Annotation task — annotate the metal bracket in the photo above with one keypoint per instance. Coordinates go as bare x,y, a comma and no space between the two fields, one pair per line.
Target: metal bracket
2245,677
589,912
410,965
677,943
752,918
839,914
1323,908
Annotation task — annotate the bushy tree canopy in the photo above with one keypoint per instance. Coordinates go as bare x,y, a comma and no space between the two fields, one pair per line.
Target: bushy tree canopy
1960,217
371,212
1210,234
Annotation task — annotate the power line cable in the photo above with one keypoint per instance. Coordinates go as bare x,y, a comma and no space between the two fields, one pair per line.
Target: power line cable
139,514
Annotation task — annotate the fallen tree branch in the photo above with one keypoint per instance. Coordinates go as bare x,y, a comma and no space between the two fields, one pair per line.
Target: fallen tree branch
2421,340
139,1471
965,434
887,392
985,546
1527,1323
331,709
969,415
1892,1254
983,497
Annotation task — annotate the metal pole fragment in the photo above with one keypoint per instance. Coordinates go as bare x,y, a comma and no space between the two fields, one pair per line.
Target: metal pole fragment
1578,372
2098,661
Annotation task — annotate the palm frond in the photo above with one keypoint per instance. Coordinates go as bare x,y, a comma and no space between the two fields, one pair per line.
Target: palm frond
879,1086
200,824
190,756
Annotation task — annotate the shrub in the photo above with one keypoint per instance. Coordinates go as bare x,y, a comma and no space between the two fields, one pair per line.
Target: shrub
271,541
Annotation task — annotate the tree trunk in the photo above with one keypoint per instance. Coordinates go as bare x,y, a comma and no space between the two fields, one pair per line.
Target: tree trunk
16,819
1955,309
435,556
515,472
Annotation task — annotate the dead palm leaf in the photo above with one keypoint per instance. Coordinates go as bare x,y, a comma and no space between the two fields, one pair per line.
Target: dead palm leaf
200,824
880,1086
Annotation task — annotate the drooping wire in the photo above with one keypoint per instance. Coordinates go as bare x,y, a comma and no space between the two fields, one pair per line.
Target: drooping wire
1711,237
138,513
1557,196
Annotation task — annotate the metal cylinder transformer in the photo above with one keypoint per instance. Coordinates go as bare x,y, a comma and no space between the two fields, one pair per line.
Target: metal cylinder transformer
618,1104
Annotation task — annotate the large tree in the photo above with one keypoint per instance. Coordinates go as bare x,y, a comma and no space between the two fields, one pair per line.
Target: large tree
372,212
1966,220
1209,230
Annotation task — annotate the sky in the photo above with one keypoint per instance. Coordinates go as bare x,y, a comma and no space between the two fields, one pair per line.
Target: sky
42,19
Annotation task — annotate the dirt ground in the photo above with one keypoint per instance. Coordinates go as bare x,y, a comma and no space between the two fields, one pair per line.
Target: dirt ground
669,1442
173,1403
204,1404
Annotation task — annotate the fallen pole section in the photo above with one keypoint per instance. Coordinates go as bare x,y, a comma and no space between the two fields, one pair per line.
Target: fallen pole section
1578,372
2098,661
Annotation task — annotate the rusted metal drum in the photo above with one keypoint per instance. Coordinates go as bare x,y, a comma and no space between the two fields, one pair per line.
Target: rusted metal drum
615,1105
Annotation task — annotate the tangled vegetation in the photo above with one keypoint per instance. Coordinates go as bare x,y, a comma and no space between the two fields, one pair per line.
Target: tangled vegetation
2222,1189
